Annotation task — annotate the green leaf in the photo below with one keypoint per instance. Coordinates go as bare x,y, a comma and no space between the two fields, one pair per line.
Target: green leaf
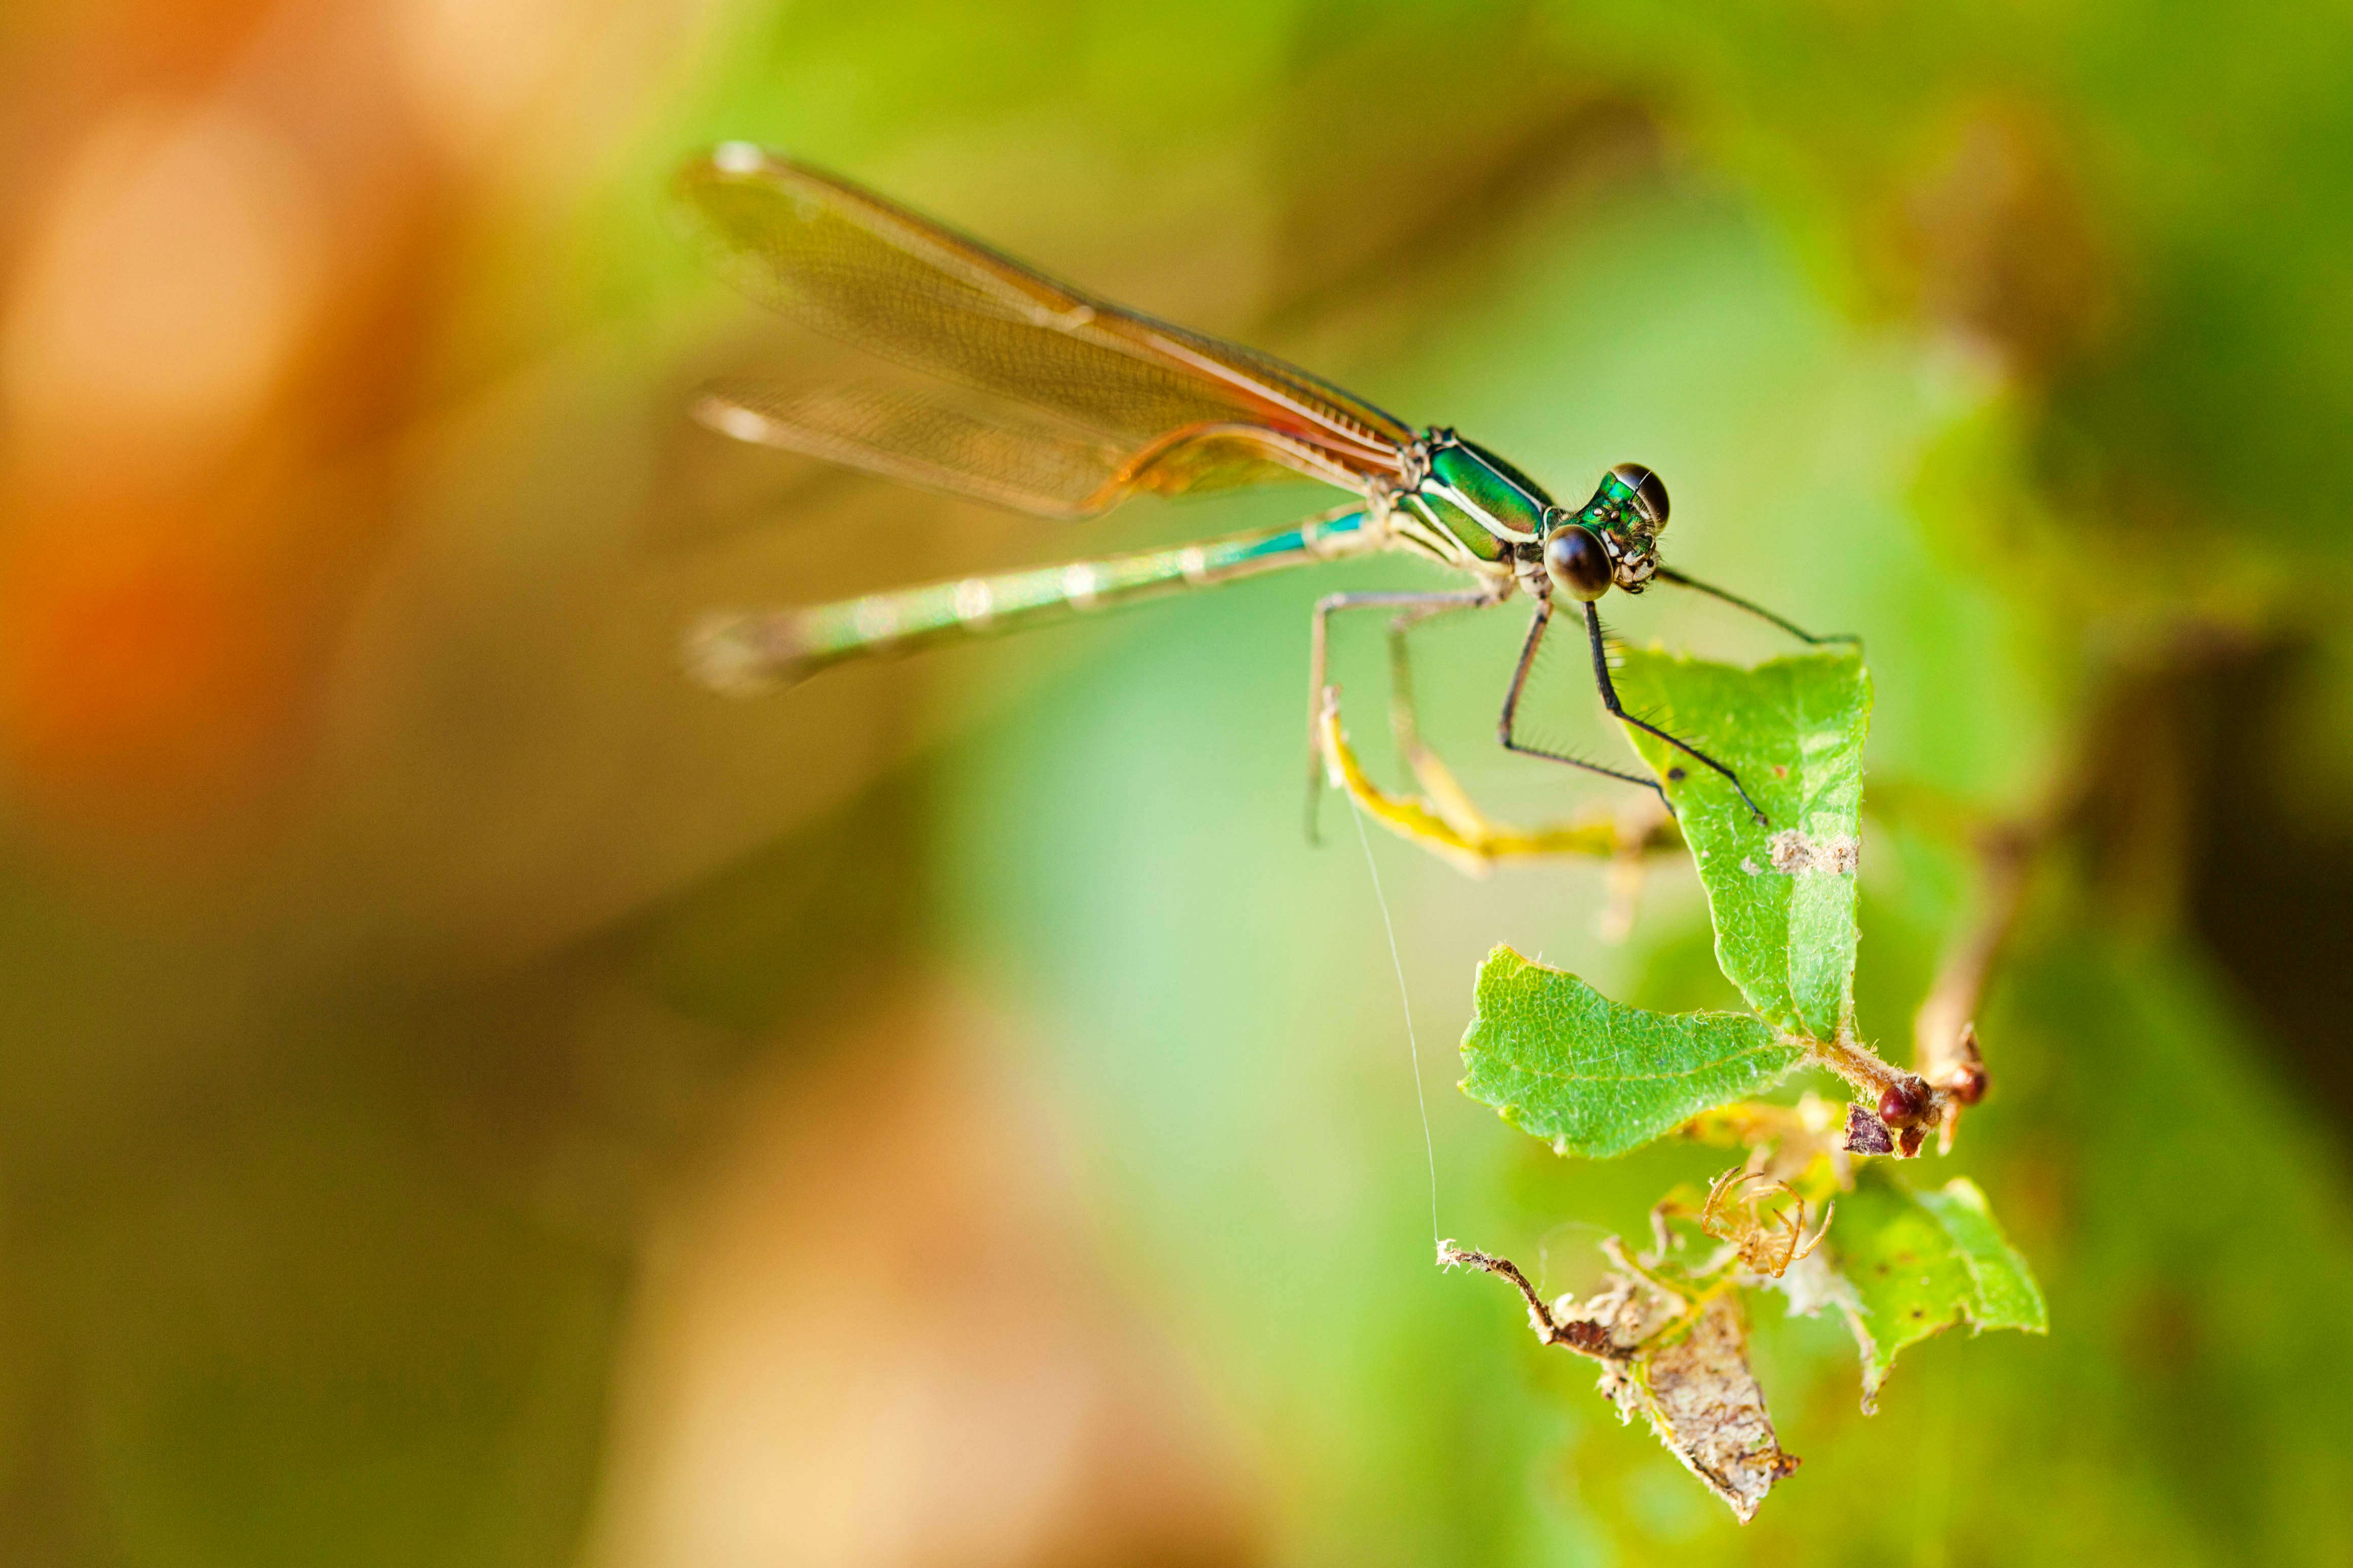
2007,1295
1594,1078
1782,892
1918,1263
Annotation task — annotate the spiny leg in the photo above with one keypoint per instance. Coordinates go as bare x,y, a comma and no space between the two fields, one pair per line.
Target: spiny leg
1445,820
1454,803
1618,712
1755,609
1474,842
1503,725
1325,607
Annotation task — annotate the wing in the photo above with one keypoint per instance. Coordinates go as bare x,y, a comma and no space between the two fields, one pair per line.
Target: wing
1115,401
1006,455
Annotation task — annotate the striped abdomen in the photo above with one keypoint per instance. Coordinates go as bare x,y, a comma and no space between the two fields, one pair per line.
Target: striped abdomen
753,650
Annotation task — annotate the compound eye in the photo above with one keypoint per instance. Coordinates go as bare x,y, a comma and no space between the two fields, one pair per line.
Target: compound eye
1649,490
1577,563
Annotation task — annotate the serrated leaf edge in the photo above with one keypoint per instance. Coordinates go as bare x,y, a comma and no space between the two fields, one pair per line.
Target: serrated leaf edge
1874,1376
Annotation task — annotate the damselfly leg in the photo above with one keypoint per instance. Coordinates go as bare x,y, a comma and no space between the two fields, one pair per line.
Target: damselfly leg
1447,796
1319,656
1506,724
1444,820
1618,710
1475,842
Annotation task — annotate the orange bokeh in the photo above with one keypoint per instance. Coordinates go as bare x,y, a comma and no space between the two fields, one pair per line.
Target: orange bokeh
140,673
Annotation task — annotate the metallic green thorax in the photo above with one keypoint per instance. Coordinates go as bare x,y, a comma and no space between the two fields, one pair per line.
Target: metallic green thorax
1479,501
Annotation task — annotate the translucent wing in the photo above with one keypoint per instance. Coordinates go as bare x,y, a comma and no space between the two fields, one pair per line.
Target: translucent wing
1115,401
1006,455
918,439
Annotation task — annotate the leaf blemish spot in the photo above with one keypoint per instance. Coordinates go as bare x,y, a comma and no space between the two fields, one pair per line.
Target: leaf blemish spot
1793,852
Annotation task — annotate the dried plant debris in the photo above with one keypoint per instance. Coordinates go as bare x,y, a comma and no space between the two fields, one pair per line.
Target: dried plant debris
1866,1133
1671,1333
1704,1403
1680,1359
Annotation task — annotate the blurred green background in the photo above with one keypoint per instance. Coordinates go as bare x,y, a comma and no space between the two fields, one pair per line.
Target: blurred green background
467,1097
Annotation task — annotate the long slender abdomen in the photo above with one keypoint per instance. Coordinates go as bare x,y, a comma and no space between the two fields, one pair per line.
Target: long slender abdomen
752,651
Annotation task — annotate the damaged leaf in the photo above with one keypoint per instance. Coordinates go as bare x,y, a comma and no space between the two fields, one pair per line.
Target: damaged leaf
1681,1361
1804,1144
1703,1403
1594,1078
1919,1262
1783,893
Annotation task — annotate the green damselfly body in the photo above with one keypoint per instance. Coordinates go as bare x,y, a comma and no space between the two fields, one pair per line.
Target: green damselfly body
1042,398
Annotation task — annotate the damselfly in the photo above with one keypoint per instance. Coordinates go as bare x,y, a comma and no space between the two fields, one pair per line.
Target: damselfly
1056,403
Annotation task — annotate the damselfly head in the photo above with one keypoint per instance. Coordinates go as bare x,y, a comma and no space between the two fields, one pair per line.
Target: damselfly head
1624,517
